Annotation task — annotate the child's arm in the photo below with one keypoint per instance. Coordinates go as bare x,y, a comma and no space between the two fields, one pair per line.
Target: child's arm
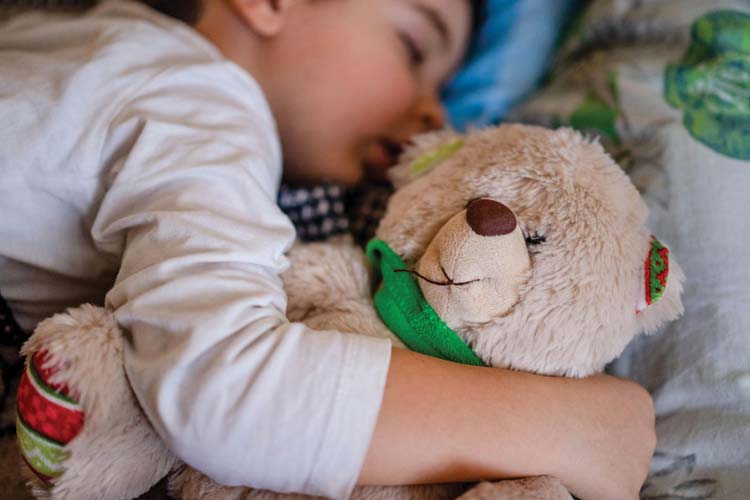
189,211
443,422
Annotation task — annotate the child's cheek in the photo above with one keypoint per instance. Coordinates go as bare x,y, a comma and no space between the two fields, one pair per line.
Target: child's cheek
390,92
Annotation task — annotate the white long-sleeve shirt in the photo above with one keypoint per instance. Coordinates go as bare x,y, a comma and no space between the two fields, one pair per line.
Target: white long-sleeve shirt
137,163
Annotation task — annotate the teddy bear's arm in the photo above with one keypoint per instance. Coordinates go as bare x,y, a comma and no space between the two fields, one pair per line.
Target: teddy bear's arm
328,287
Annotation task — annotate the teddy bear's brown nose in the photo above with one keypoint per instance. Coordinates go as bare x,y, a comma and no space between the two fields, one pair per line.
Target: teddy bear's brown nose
490,218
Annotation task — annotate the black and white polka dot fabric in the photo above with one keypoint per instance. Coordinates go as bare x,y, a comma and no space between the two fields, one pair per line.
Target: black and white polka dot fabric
316,212
366,206
323,211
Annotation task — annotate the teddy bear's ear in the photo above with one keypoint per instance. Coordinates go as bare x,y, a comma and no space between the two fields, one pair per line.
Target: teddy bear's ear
660,296
426,152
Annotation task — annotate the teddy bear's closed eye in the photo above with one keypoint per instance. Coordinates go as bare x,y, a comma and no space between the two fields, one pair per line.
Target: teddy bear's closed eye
534,239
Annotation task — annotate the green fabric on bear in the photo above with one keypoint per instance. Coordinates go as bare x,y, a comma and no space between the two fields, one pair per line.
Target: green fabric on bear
432,159
403,308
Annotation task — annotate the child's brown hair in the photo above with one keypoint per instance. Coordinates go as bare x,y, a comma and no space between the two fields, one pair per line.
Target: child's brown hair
190,10
185,10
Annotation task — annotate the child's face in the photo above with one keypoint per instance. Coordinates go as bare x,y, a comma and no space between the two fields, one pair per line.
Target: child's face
356,78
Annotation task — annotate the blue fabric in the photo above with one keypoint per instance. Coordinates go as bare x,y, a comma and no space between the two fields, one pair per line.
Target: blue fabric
510,55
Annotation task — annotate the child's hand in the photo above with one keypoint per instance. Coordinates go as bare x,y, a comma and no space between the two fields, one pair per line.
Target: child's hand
445,422
614,424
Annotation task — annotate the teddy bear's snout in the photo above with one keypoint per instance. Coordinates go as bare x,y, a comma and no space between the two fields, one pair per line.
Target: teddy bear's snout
472,269
490,218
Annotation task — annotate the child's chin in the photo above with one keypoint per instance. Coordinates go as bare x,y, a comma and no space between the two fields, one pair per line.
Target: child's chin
344,177
375,173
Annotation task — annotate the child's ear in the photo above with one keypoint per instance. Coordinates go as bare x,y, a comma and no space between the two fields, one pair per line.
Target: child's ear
265,17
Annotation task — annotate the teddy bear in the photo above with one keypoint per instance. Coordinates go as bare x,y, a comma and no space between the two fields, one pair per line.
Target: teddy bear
515,246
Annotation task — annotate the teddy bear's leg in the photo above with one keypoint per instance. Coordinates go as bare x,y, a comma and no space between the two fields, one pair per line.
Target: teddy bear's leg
79,425
190,484
531,488
443,491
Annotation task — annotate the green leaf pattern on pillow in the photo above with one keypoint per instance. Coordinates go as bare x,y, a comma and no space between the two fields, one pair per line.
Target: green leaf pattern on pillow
711,83
599,111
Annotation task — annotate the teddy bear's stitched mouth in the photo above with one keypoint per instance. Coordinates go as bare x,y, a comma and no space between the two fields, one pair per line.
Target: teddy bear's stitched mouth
450,281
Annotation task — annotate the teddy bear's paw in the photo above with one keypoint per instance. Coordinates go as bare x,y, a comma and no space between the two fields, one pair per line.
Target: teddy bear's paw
532,488
76,367
441,491
189,484
77,344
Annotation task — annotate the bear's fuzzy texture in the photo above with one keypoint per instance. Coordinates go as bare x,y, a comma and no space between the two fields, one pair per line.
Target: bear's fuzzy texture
575,309
532,488
117,454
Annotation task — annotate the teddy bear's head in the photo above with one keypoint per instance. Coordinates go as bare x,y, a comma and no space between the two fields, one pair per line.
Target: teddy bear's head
531,245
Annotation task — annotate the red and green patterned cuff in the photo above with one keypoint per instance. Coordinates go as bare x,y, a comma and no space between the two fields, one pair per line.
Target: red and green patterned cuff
48,417
655,274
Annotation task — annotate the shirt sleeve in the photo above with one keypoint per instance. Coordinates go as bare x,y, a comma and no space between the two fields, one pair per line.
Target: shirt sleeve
234,388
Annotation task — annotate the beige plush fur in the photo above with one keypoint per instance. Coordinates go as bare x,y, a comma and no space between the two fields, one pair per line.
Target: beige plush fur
575,311
117,454
565,306
533,488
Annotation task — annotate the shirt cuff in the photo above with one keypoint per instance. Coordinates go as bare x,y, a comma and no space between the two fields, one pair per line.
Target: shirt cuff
353,417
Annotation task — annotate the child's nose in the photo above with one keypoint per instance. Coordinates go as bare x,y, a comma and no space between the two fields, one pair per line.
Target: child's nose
431,113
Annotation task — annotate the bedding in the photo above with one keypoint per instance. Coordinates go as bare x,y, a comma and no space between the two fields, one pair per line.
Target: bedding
665,86
508,59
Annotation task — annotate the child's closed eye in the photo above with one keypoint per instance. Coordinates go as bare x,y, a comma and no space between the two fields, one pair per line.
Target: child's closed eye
413,51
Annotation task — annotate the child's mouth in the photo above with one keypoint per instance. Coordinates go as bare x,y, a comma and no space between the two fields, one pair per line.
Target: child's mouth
394,150
381,156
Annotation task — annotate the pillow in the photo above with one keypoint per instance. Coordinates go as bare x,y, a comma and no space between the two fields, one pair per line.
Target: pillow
507,61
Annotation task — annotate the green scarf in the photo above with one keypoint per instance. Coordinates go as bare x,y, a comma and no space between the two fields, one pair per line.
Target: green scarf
403,308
